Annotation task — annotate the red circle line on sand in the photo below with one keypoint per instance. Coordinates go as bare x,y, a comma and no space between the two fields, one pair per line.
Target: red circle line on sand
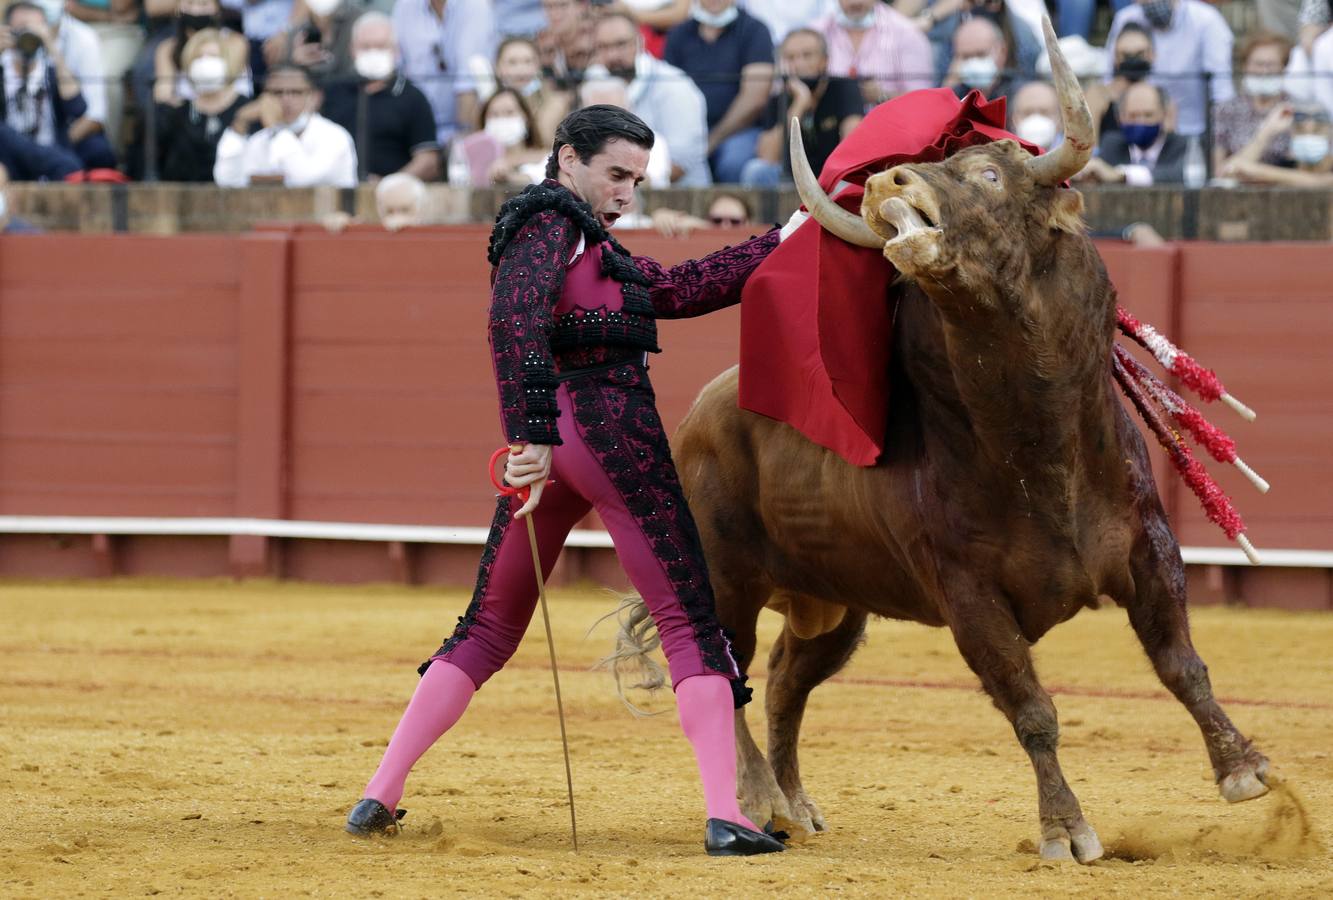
854,681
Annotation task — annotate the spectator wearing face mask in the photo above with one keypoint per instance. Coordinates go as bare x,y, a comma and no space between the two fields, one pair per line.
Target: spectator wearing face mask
878,45
980,58
171,83
322,44
1035,114
1190,38
827,106
729,55
188,133
518,67
662,95
1131,60
1255,126
43,100
295,146
504,151
940,19
388,117
1313,167
1144,151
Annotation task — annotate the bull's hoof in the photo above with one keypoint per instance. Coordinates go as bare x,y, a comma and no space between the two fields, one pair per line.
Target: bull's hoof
760,797
1079,843
805,813
1246,783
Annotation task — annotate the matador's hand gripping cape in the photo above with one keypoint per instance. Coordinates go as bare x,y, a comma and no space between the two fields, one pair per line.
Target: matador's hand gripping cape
816,315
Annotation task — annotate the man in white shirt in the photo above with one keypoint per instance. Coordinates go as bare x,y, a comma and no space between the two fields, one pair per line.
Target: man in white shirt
663,96
1190,40
296,146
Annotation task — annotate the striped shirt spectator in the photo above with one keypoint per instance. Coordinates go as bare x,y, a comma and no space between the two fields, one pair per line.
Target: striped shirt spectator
879,46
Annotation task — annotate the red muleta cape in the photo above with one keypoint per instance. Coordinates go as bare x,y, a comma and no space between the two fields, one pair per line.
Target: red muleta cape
816,315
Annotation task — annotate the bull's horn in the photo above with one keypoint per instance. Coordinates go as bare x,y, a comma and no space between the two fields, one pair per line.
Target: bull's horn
833,217
1073,154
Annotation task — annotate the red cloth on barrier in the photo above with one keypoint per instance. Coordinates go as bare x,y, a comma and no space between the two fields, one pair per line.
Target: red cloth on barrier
816,315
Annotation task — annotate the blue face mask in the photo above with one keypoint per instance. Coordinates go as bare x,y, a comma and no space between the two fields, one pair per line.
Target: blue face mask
1141,136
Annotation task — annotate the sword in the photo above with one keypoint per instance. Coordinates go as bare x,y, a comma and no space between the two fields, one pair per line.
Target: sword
522,495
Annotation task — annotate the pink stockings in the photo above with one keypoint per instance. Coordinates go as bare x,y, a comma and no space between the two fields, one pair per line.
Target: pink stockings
706,717
440,698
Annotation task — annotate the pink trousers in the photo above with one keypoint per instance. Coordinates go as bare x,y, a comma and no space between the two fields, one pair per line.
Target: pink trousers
614,458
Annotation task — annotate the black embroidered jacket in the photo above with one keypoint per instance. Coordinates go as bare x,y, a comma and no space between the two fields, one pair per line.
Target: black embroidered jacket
535,235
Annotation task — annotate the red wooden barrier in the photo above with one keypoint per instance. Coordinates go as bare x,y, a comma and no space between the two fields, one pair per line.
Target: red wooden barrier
302,375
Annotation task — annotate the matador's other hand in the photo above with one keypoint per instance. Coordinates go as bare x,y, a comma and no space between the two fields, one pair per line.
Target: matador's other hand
528,465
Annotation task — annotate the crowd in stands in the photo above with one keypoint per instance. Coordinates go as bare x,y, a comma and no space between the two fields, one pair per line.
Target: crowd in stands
336,92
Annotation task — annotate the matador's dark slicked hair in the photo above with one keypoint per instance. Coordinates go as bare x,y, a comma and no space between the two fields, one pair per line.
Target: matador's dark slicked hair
588,129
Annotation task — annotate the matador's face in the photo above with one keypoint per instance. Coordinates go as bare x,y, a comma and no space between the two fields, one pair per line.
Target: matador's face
606,182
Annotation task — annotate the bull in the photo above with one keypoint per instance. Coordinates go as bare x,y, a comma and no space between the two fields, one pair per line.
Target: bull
1016,489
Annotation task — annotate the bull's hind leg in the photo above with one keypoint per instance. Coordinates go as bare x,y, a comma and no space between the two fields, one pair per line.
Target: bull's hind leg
795,667
996,650
760,796
1157,612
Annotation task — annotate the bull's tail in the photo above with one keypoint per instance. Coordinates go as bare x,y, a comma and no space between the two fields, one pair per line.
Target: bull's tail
636,638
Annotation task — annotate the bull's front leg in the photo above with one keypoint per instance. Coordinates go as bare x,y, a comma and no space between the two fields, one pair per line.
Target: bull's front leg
994,648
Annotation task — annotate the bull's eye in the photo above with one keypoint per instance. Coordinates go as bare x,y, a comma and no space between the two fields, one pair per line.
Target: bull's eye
990,175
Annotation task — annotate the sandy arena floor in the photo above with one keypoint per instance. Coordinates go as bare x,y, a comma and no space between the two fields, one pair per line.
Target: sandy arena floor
208,739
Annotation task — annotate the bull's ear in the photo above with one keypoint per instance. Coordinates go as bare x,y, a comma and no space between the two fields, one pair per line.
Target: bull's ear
1066,211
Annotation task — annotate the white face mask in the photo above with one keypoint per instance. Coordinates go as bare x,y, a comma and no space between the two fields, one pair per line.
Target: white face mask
531,87
715,20
1309,148
322,7
208,74
857,24
1262,85
508,130
978,71
374,65
1037,129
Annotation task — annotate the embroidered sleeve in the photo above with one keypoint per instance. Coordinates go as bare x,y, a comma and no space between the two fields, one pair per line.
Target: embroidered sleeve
524,291
703,285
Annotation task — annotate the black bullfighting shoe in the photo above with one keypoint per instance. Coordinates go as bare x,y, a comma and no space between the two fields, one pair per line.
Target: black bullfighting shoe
723,838
371,817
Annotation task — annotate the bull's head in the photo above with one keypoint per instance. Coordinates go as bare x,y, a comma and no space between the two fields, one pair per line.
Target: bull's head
971,217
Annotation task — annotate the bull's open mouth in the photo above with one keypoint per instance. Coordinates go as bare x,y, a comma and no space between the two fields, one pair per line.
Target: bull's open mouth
905,220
